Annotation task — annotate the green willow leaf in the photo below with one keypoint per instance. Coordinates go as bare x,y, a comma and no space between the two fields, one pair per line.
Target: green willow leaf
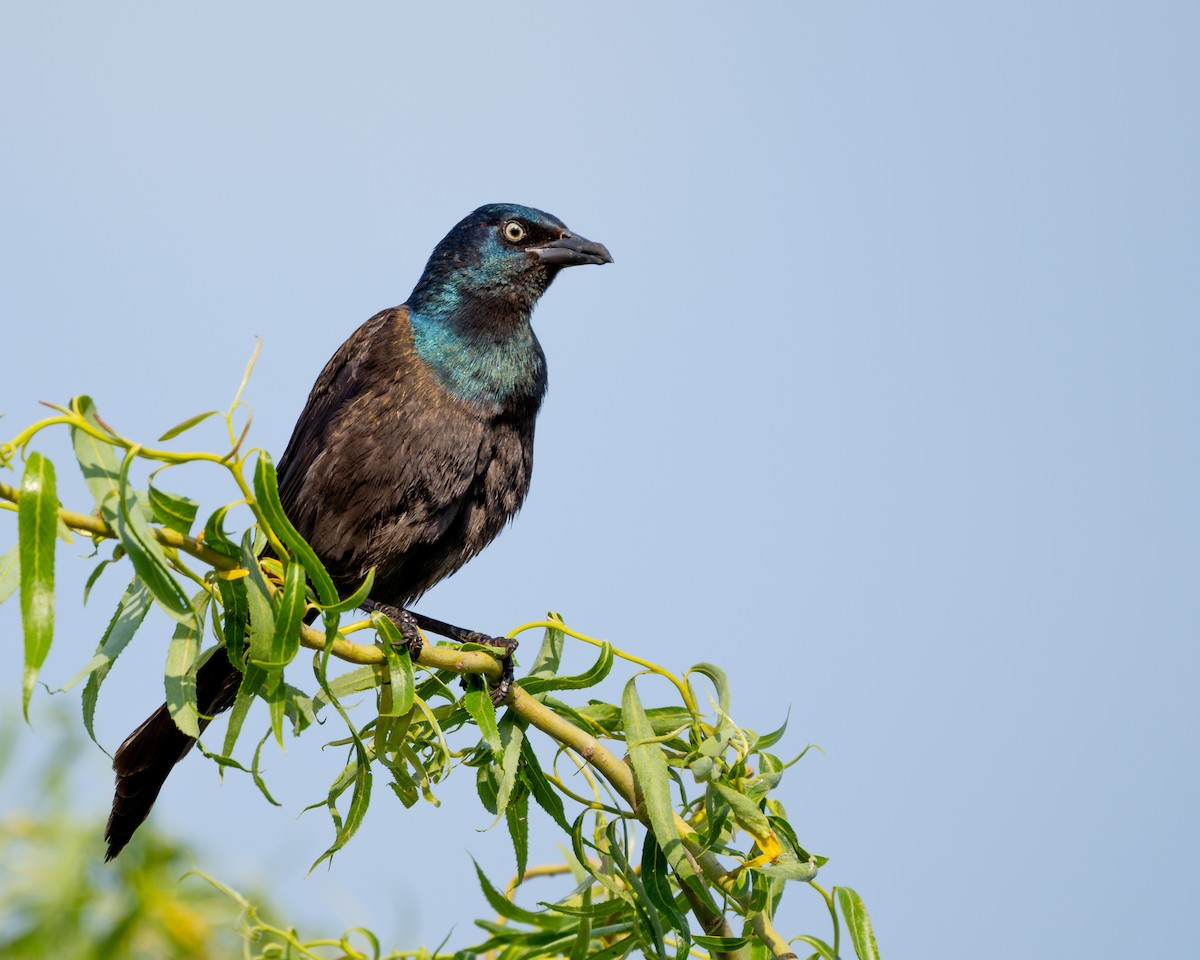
261,625
187,425
172,510
583,939
256,772
356,599
236,618
400,677
10,572
770,739
37,517
745,811
721,944
589,678
98,460
103,565
360,777
237,719
858,923
657,883
648,917
721,683
653,780
824,950
485,786
788,866
502,905
215,537
353,681
403,785
543,792
298,708
478,702
131,611
145,552
512,737
266,491
549,657
621,948
180,677
285,643
516,816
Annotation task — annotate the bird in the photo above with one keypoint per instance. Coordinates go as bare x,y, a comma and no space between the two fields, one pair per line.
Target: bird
413,451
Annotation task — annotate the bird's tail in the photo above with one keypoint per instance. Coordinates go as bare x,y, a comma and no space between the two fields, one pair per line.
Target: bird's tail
149,754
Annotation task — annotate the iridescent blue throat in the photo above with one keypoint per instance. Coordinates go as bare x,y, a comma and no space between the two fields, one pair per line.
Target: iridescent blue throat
489,359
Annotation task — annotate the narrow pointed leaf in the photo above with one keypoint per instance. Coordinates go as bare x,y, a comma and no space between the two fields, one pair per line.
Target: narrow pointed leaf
583,939
187,425
478,702
745,811
648,917
98,460
130,612
512,737
266,491
516,815
360,798
286,640
824,950
146,553
237,718
215,537
37,516
543,791
589,678
180,676
256,772
400,667
356,599
768,740
721,682
236,617
10,572
653,780
261,622
549,657
657,884
721,944
858,923
172,510
502,905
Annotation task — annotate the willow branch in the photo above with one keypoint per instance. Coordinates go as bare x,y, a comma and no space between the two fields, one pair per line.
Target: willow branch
97,527
613,769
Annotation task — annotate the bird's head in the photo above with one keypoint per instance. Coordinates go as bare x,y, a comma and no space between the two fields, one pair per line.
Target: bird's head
503,254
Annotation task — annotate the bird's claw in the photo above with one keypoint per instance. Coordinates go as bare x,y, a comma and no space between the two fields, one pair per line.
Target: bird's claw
500,691
405,623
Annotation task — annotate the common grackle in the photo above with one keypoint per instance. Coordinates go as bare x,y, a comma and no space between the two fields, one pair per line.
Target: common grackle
413,451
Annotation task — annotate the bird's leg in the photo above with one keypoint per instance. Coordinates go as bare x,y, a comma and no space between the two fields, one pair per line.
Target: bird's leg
461,635
405,622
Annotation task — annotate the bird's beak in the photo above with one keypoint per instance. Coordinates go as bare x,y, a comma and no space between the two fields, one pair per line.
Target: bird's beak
572,251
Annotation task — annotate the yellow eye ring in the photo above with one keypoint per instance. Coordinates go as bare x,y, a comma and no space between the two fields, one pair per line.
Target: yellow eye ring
514,232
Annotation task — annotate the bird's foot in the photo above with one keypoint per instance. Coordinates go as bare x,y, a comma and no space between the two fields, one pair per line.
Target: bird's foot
509,646
461,635
405,622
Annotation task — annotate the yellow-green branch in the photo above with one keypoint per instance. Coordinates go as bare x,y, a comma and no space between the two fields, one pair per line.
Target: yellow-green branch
528,708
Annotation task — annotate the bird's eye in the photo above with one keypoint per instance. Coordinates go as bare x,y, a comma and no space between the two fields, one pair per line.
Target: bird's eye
514,232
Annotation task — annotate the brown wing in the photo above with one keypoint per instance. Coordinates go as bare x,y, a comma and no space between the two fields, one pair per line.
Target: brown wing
407,456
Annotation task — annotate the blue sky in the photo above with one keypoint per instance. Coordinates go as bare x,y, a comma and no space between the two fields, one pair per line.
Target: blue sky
888,403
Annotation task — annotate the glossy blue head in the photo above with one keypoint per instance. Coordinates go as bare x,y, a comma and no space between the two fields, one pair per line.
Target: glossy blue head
503,253
470,310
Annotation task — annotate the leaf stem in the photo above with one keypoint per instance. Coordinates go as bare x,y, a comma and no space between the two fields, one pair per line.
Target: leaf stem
688,699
